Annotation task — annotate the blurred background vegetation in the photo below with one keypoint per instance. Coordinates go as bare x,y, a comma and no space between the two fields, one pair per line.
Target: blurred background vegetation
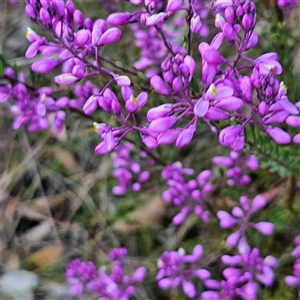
56,201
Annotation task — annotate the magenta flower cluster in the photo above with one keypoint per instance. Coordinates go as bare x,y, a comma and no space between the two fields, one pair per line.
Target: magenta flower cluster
241,216
117,285
163,99
235,165
189,195
128,170
231,86
242,276
294,280
176,269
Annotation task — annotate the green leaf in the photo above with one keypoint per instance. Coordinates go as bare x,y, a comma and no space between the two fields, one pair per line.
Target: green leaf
195,86
119,64
141,75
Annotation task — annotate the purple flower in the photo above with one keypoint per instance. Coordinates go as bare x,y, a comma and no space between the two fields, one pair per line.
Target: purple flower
177,269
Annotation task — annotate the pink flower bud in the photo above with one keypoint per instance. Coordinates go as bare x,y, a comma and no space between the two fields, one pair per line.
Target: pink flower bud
78,18
204,176
126,92
276,117
117,190
238,144
110,94
229,14
104,103
168,137
70,7
185,136
263,108
30,12
223,160
231,260
59,6
177,84
226,220
292,280
122,80
162,124
296,139
252,41
189,289
119,19
44,65
266,228
156,19
169,76
159,85
110,36
78,71
139,275
270,261
191,64
279,135
195,24
288,106
75,104
49,50
144,176
212,284
231,103
179,218
174,5
210,55
229,134
202,274
165,283
62,102
116,106
208,74
252,163
217,114
101,24
150,142
82,37
247,21
293,121
159,111
229,32
90,105
88,24
65,79
44,16
237,212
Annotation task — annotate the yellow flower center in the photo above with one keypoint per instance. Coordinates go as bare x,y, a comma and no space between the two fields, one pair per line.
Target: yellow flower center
132,98
95,127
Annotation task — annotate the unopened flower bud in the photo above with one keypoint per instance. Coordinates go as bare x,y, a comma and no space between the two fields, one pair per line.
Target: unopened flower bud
159,85
110,36
279,135
45,16
44,65
78,18
119,19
